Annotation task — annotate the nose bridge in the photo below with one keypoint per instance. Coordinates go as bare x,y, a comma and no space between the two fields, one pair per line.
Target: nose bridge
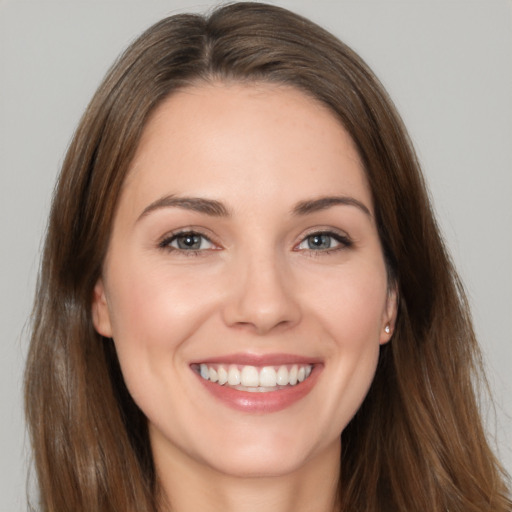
262,292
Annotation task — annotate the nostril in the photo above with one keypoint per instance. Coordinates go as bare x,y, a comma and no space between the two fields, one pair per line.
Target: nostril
248,316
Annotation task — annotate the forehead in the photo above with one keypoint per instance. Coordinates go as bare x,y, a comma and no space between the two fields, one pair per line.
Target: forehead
261,141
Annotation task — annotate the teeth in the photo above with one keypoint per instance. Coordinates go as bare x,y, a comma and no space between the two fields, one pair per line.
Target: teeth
293,375
249,377
267,378
233,375
223,375
282,376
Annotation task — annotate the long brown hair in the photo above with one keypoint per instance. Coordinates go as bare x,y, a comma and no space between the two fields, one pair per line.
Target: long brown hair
417,443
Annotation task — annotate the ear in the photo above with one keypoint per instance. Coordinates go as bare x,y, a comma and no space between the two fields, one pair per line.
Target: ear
389,317
100,312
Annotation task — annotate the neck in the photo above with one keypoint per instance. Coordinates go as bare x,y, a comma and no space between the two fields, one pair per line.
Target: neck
190,485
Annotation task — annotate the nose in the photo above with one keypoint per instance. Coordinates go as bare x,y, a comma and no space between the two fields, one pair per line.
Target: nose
261,296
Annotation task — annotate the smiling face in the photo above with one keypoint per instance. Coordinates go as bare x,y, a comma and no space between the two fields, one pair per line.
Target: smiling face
244,249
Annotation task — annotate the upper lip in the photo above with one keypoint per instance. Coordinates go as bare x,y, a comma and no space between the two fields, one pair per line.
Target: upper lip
252,359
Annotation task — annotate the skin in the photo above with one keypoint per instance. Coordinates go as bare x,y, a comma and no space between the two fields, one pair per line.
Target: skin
256,286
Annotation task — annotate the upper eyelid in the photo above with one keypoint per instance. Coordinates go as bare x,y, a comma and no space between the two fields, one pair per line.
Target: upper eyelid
324,231
170,235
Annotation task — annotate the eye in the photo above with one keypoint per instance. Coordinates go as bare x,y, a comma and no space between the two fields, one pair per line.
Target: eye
187,241
324,241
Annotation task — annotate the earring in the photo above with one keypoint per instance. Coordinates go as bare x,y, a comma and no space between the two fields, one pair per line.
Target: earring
387,329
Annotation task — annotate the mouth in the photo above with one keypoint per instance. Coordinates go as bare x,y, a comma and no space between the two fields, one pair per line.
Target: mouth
258,384
252,378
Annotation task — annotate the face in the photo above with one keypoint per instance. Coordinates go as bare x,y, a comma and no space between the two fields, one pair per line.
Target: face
244,285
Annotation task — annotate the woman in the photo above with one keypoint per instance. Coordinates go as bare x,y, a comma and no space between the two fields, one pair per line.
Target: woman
244,301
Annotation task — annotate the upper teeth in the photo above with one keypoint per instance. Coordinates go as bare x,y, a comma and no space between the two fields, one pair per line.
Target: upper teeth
254,377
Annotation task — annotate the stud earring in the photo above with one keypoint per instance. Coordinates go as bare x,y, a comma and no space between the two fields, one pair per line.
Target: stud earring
387,329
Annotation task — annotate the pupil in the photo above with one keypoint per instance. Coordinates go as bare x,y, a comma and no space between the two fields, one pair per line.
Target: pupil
319,242
189,242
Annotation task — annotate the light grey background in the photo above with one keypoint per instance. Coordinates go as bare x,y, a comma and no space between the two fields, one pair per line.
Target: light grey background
447,65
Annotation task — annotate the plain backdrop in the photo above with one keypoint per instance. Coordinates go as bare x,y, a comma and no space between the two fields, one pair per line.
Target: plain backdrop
447,65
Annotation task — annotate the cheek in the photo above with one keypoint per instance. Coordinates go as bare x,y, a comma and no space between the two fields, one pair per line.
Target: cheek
157,308
353,319
350,312
154,312
351,302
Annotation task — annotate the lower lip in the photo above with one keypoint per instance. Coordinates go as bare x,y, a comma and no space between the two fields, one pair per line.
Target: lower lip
262,402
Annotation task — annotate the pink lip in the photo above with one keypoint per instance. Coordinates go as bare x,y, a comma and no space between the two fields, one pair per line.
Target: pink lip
248,359
257,402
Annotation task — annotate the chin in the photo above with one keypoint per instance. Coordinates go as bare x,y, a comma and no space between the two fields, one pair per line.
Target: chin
272,454
259,465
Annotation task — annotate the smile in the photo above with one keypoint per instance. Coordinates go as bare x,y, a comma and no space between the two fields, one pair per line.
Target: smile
258,384
255,379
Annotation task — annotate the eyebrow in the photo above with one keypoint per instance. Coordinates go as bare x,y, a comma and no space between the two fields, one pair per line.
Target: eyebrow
322,203
215,208
196,204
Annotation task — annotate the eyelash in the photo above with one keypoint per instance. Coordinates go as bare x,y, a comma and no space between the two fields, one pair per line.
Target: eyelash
168,240
343,240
